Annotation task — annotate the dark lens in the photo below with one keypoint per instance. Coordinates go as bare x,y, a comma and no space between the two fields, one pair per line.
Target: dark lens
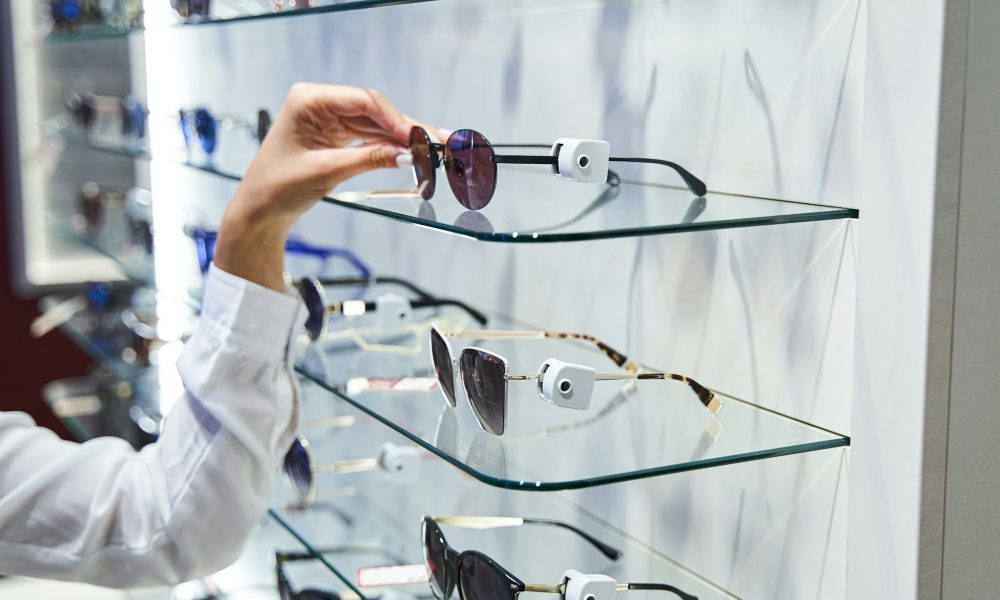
309,290
436,558
263,124
484,376
298,467
479,578
472,172
441,358
423,164
204,126
91,205
313,594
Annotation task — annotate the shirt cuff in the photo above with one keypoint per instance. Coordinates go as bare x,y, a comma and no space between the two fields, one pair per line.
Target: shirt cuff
256,318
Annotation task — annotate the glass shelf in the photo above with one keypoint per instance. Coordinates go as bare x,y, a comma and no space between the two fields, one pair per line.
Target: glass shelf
112,241
532,206
668,429
225,12
381,517
88,33
102,404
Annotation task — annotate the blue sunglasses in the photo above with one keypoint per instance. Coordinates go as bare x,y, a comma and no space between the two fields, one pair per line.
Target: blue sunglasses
204,240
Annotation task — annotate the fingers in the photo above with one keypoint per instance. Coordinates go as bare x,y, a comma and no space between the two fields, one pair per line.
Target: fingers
339,164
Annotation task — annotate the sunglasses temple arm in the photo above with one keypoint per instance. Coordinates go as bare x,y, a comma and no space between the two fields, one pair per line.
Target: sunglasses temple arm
605,549
523,159
706,396
697,186
657,587
501,334
431,302
374,280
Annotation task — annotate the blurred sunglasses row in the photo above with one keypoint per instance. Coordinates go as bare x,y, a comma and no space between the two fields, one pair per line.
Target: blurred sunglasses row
68,16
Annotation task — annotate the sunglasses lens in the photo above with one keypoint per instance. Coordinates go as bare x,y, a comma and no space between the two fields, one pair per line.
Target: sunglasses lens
204,126
423,165
472,173
442,365
263,125
298,468
480,579
484,375
435,558
309,290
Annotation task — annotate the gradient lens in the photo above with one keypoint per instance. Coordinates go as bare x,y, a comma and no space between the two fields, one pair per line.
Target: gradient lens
436,558
485,377
479,578
298,468
472,172
204,126
312,295
423,164
441,359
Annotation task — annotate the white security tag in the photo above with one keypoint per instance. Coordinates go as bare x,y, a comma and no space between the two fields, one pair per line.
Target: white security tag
581,586
392,310
581,160
566,384
400,463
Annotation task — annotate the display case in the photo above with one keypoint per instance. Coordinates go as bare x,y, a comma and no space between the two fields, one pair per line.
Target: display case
748,289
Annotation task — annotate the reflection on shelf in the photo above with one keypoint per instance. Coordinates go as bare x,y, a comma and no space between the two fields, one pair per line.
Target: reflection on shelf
662,425
369,509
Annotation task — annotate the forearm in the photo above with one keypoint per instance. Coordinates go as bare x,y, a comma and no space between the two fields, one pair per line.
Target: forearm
182,507
251,241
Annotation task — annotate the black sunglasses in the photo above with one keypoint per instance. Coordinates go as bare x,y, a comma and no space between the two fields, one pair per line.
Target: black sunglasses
479,577
313,293
470,162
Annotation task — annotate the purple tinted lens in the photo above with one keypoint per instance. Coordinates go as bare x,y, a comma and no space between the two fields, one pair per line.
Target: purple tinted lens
485,377
423,164
472,172
298,467
309,290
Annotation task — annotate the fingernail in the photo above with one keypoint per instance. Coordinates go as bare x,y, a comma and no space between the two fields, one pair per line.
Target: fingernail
404,160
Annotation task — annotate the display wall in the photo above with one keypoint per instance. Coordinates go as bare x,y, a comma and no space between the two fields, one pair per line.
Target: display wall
798,287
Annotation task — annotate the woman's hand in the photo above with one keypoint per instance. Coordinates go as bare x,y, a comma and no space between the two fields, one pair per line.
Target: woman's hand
308,151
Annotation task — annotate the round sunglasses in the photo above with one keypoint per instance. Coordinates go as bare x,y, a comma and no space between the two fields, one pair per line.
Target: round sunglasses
470,162
485,375
479,577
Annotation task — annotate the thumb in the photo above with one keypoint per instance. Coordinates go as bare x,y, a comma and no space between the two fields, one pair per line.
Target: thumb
344,163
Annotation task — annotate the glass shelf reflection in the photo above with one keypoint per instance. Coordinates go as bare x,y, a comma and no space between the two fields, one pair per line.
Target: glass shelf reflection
667,427
370,510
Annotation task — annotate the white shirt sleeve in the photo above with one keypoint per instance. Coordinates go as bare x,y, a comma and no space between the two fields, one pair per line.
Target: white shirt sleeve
183,507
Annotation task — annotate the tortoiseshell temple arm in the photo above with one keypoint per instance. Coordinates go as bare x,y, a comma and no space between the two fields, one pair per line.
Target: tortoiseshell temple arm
510,334
706,396
473,522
